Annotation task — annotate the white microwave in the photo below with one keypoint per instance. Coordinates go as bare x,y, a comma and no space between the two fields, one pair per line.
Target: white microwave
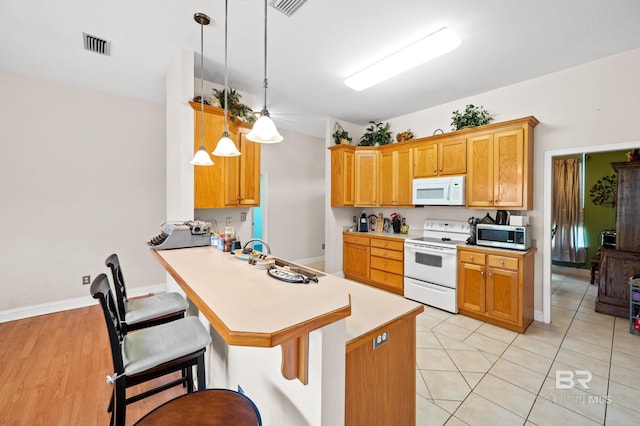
440,191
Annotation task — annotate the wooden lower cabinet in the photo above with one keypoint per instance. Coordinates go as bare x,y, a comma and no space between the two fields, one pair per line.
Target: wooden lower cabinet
616,266
380,387
374,260
355,257
496,286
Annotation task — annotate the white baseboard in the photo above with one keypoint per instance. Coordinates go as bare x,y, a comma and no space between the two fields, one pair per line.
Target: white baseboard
308,260
538,315
65,305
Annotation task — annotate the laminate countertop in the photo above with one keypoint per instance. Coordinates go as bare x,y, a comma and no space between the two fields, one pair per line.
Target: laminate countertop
249,308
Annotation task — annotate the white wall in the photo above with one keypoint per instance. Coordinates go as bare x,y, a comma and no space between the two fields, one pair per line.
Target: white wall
81,176
295,169
593,105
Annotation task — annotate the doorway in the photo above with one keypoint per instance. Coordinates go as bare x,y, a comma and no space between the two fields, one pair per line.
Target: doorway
258,222
547,214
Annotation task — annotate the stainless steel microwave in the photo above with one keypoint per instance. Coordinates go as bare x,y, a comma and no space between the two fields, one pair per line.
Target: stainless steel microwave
439,191
503,236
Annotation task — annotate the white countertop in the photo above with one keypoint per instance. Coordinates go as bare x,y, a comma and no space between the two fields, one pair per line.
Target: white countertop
247,307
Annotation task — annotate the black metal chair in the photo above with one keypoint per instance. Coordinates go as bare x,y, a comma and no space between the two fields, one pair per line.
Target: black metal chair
210,407
149,353
145,311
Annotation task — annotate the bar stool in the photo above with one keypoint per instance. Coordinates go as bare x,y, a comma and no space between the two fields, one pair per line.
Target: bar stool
145,311
150,353
209,407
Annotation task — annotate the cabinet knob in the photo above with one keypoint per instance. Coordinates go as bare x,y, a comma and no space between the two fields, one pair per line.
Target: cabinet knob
471,257
491,274
440,169
502,262
482,273
435,170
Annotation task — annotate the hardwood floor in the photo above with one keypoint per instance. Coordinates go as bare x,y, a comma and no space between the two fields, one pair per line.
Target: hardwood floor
53,369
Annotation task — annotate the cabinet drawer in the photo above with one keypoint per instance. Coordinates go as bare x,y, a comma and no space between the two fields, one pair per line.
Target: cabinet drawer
356,239
387,244
387,278
384,264
503,262
469,257
389,254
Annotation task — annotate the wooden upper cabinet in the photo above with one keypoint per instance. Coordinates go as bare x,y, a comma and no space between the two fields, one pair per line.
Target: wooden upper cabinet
242,175
342,175
500,166
479,185
231,181
425,157
366,177
396,175
447,157
497,160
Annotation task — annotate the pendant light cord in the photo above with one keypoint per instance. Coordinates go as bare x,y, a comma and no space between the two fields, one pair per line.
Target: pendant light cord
264,110
201,84
226,71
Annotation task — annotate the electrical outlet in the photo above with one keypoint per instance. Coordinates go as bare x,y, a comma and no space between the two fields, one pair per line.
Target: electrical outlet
86,279
380,340
243,217
322,246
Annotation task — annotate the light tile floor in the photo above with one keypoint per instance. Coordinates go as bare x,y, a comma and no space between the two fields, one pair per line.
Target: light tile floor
470,372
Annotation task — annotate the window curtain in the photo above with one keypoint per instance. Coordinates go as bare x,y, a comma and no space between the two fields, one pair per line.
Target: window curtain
568,243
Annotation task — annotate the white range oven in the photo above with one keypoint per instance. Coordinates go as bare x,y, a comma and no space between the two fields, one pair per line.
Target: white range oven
431,266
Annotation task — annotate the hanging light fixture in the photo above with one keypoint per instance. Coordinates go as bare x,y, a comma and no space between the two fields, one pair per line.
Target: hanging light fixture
264,130
225,146
201,158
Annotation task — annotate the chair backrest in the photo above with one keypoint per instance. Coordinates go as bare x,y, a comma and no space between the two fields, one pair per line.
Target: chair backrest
101,290
118,283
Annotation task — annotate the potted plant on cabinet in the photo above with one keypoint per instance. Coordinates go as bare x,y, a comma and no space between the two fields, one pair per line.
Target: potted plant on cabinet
376,134
341,136
472,116
236,108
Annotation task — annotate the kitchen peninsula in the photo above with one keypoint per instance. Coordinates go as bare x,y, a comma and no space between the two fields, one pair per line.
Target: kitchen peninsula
319,353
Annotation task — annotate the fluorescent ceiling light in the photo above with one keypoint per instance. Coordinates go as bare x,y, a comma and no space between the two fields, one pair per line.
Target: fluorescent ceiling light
423,50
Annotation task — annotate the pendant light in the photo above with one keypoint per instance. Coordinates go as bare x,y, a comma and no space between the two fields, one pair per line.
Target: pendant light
201,158
225,146
264,130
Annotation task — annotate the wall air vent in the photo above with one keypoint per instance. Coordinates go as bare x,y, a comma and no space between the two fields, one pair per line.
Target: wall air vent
96,44
288,7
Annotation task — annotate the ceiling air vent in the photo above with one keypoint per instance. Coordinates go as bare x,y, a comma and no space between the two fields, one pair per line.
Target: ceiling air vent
96,44
288,7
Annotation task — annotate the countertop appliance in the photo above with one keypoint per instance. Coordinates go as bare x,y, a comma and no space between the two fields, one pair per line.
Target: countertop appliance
503,236
608,238
431,266
440,191
193,233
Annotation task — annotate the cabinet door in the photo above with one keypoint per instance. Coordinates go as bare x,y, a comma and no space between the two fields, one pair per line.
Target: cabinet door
249,184
479,185
366,178
342,177
355,260
425,158
502,294
508,168
208,180
404,177
452,157
231,177
471,287
388,185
